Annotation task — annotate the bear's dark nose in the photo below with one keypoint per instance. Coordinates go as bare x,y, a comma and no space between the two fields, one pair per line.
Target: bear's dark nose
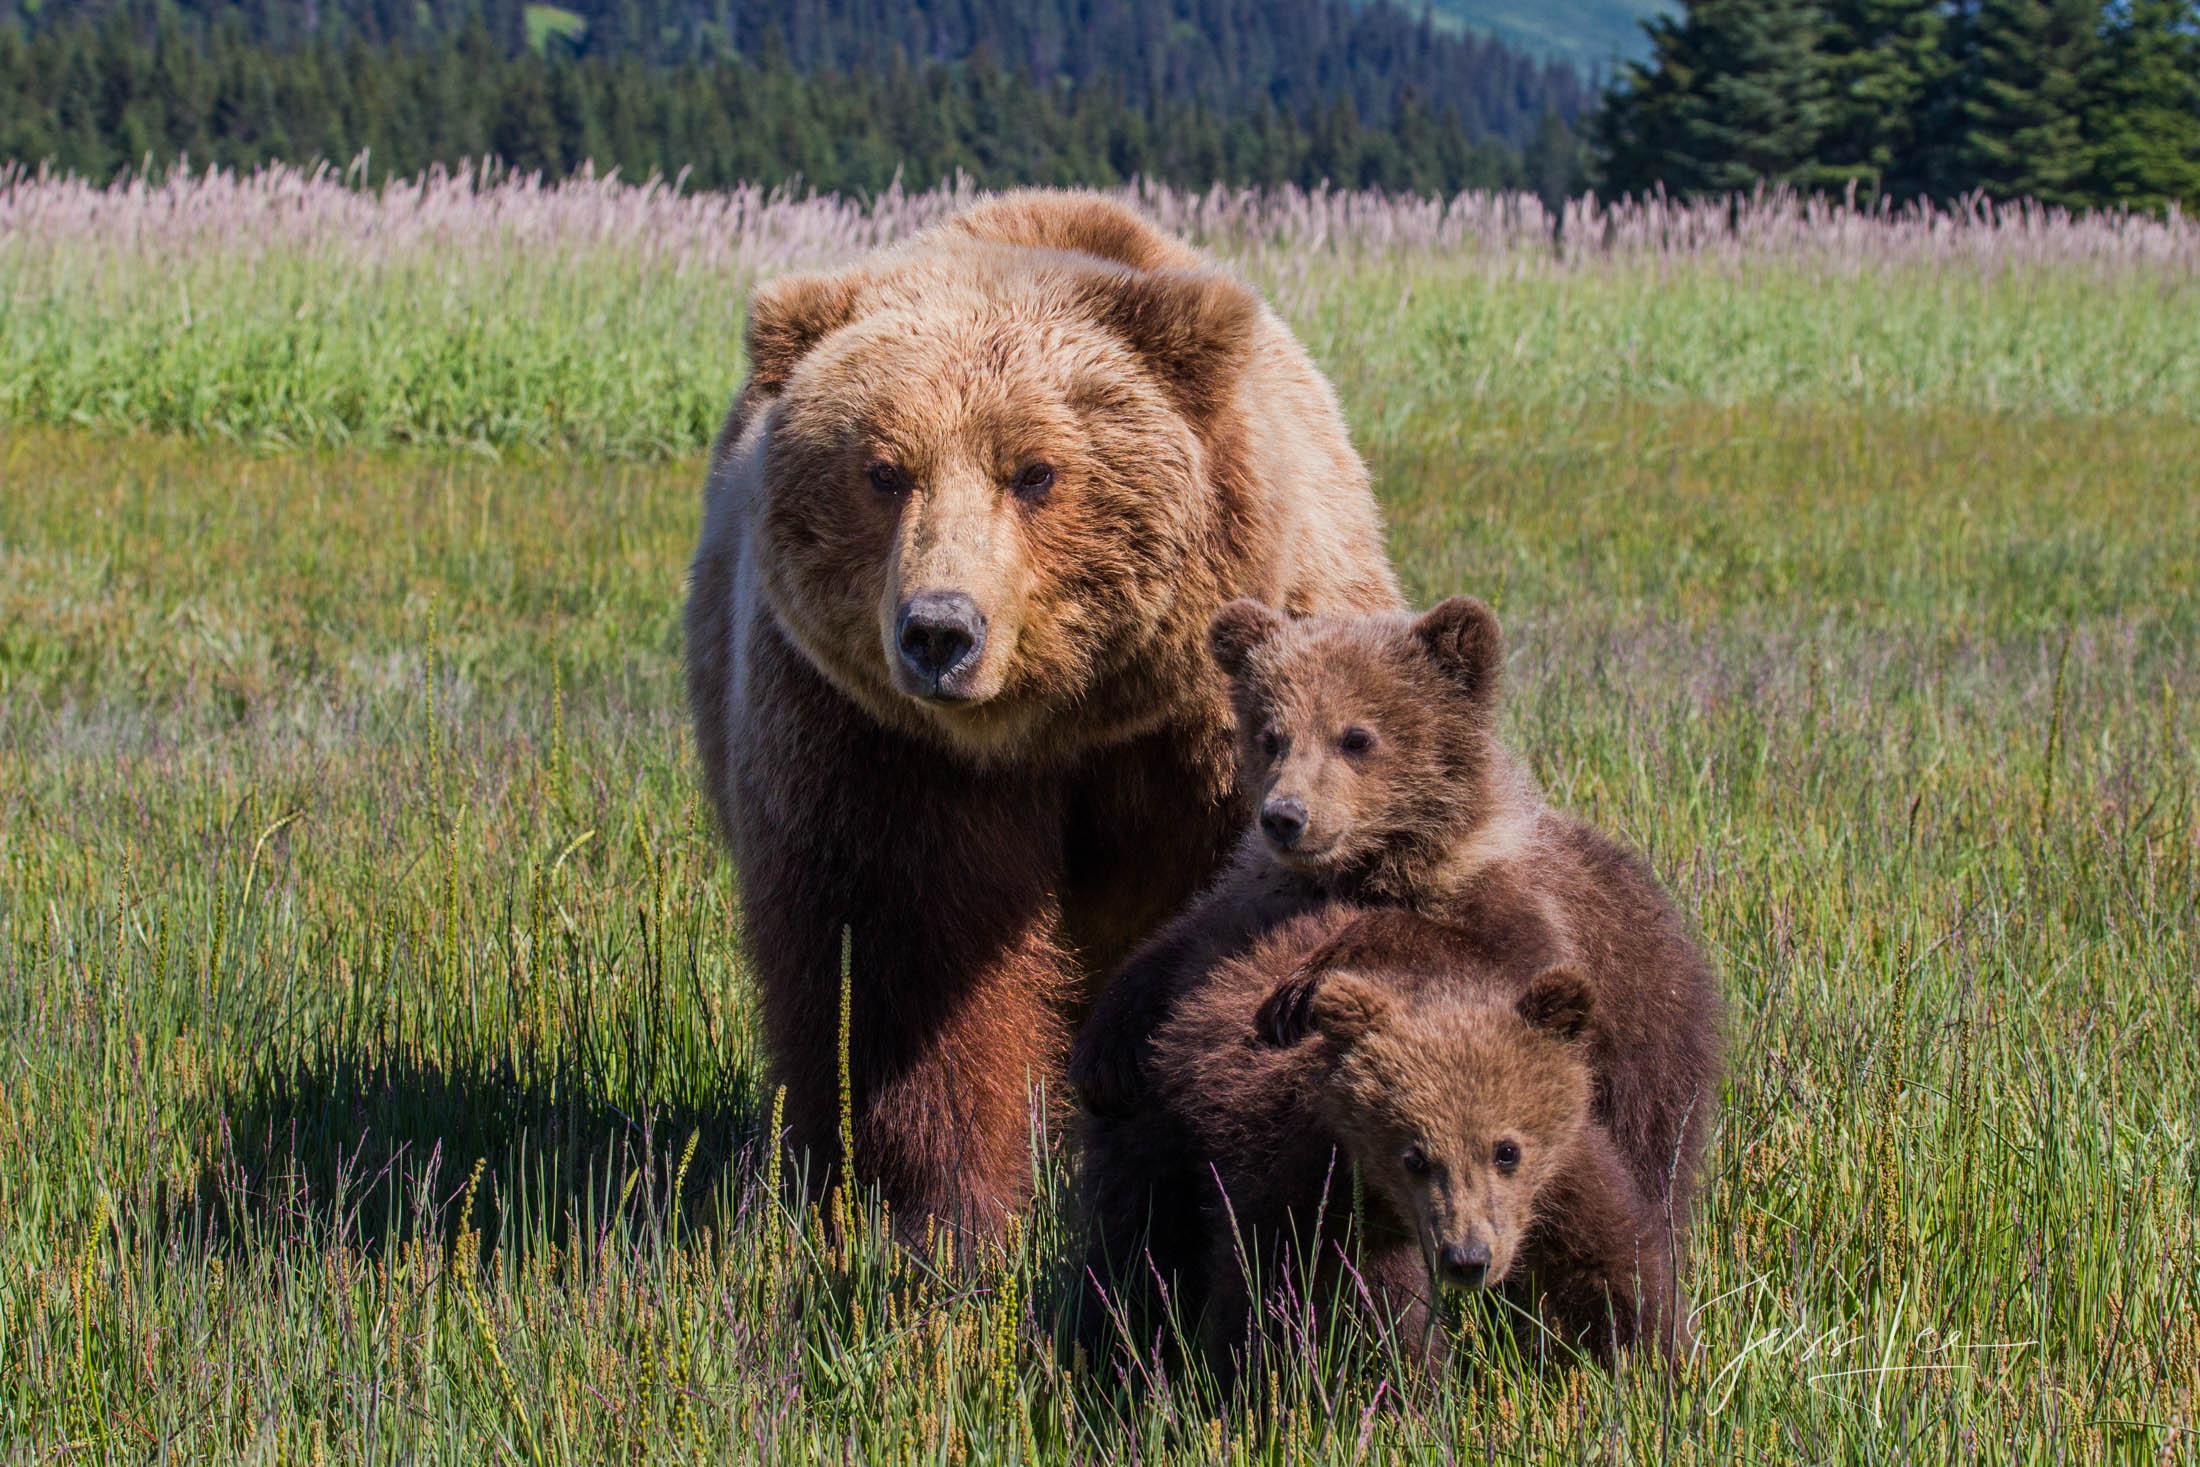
941,632
1283,820
1464,1265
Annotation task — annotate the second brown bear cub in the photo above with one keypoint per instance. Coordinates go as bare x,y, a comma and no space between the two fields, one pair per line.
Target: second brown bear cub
1458,1099
1371,751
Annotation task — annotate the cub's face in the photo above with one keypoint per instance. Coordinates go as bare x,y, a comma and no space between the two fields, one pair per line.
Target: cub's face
1457,1112
1357,733
981,493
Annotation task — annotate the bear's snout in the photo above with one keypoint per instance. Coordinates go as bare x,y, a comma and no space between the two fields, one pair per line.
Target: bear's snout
940,634
1283,821
1463,1265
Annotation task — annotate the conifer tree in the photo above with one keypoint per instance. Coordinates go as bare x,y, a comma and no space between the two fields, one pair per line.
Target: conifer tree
1635,138
1553,163
2023,104
2143,120
526,133
1766,96
1886,63
1735,95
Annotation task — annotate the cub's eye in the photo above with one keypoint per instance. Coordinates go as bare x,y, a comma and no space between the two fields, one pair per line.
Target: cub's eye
1415,1161
1271,743
1507,1156
1034,480
1357,740
886,478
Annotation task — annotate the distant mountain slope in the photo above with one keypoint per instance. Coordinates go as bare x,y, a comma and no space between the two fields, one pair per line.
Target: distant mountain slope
843,95
1235,57
1585,32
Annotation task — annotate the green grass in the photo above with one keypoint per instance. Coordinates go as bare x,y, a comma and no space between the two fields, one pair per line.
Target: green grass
381,1079
521,330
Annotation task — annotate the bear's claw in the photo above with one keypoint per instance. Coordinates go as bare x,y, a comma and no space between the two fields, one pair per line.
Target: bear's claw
1286,1017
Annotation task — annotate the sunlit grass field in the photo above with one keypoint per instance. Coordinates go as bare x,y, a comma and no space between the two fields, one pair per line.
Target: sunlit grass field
380,1083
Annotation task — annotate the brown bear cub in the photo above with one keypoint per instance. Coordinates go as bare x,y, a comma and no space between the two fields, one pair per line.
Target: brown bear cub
1458,1097
1369,747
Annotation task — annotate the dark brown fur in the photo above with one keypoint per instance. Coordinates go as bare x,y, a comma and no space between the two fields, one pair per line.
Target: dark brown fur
991,852
1422,1051
1433,817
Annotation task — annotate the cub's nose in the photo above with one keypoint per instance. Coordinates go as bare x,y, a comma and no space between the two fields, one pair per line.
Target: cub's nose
940,633
1283,820
1464,1265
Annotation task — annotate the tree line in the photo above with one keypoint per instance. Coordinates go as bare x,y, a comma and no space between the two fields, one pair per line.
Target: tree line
1228,55
2082,103
839,94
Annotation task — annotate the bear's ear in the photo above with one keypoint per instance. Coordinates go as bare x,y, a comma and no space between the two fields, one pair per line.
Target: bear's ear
1079,222
1461,636
1558,1002
1236,630
1194,328
1345,1008
790,315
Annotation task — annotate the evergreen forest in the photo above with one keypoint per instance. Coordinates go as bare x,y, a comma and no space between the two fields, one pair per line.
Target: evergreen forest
834,94
2077,103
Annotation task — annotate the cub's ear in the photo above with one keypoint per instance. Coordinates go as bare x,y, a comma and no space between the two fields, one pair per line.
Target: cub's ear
1346,1008
1194,328
1461,635
790,315
1557,1002
1236,630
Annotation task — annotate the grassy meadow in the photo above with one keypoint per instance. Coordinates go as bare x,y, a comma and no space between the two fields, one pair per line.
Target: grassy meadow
380,1084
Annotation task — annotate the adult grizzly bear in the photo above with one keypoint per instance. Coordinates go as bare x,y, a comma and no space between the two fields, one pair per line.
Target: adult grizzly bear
964,531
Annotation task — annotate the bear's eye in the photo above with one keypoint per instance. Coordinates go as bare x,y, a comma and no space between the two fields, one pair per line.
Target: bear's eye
1415,1161
1271,743
886,478
1507,1155
1034,480
1357,740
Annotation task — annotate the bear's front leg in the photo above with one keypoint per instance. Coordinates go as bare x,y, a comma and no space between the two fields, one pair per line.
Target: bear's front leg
954,1025
1109,1059
945,881
1601,1260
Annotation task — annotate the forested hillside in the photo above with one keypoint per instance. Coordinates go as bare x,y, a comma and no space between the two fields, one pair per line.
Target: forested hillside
838,92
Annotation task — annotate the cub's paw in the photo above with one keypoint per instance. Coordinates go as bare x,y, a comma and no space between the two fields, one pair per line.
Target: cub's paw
1288,1015
1110,1080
